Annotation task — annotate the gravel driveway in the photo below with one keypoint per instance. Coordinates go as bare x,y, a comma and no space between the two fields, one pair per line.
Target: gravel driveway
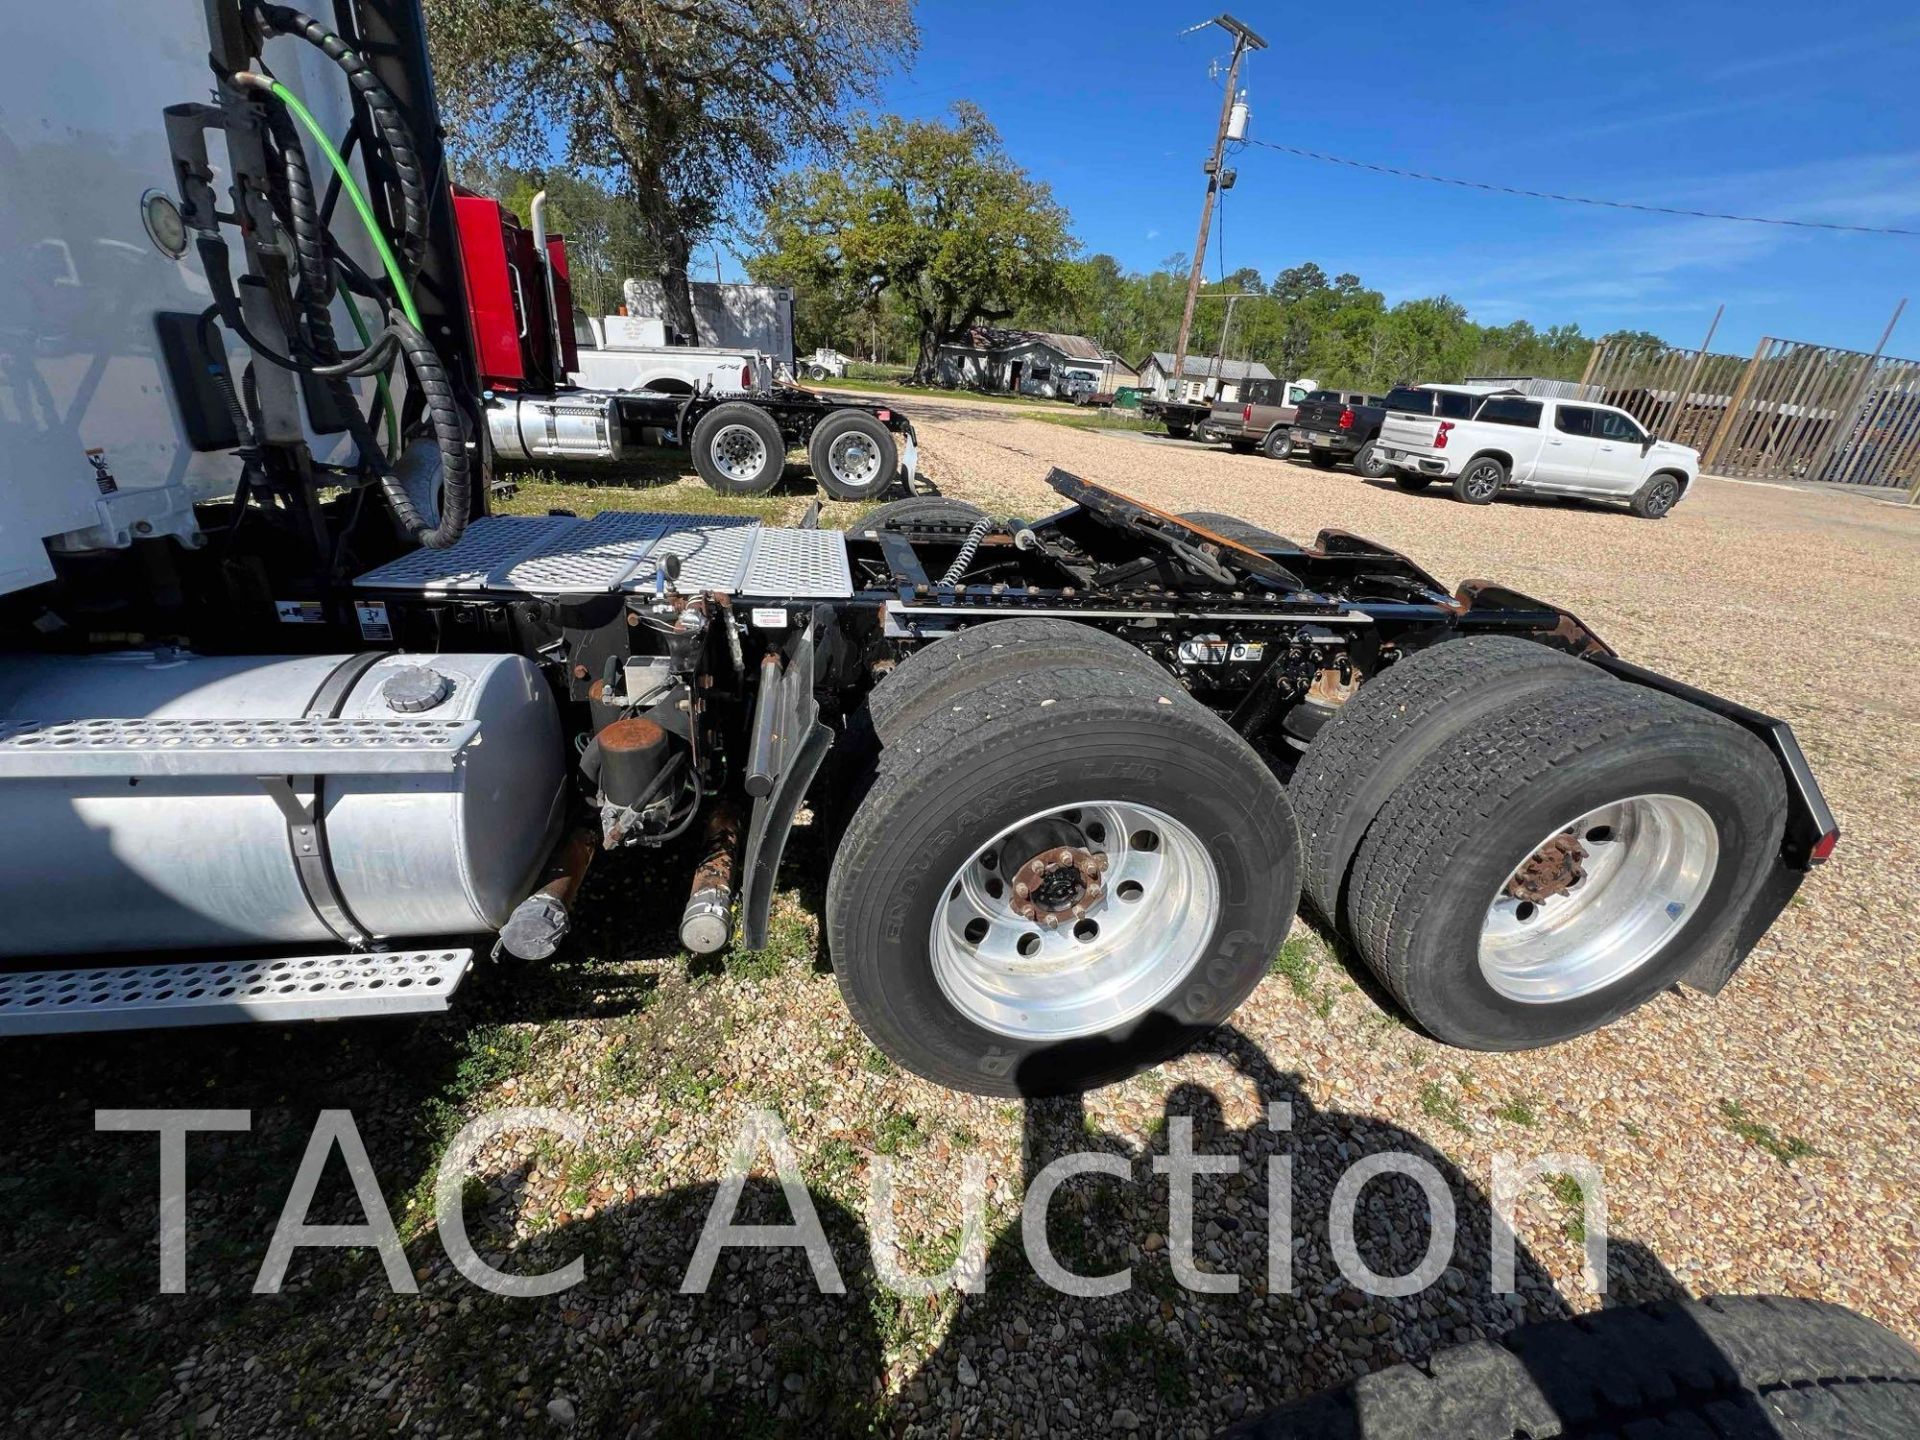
1761,1141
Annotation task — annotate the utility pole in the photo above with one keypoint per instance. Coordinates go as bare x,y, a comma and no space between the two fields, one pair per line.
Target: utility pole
1243,41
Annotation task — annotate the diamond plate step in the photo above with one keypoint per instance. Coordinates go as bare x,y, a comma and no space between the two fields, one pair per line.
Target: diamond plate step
616,551
226,992
232,747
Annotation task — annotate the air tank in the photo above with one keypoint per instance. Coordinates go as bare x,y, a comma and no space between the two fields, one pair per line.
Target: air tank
125,861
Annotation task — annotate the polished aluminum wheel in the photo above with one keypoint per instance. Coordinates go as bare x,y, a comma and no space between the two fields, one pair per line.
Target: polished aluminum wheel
1598,899
854,460
1074,921
738,452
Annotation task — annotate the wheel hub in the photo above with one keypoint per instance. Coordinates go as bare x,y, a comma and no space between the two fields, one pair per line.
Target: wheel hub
1058,884
1074,920
1598,899
1553,869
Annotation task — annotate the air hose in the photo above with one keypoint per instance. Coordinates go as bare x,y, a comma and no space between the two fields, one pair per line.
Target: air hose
405,334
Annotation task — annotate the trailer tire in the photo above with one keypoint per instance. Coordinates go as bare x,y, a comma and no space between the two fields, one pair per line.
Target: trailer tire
1322,459
1368,464
1736,1365
1646,825
1097,747
738,449
920,510
1412,484
1393,723
1480,479
846,469
1178,432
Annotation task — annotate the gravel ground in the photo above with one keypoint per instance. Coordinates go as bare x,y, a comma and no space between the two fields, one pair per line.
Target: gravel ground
1761,1141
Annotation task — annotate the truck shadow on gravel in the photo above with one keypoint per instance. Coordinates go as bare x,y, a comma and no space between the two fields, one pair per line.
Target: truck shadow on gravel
763,1352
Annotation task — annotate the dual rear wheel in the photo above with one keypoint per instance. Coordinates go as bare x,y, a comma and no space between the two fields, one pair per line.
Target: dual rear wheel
1058,868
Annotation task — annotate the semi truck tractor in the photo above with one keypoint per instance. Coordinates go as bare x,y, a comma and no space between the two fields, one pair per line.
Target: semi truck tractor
292,727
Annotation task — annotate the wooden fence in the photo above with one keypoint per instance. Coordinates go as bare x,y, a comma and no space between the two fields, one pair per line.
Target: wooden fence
1790,411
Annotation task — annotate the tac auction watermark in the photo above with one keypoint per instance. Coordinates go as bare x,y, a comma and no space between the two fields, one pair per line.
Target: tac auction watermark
763,1133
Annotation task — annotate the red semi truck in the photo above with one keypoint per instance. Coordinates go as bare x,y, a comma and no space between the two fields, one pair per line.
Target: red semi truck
724,406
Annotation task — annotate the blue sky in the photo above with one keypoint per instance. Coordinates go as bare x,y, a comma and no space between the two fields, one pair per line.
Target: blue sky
1806,112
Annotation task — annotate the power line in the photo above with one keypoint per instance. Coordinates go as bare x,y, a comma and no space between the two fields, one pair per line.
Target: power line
1578,199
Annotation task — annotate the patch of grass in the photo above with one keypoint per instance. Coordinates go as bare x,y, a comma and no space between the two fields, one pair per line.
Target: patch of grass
684,1085
1298,963
897,1133
925,392
1785,1149
1437,1104
1091,419
790,945
1520,1110
837,1160
1572,1194
665,481
964,1137
874,1062
1634,1132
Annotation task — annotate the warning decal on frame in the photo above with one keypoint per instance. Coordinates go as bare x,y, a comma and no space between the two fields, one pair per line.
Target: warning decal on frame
372,615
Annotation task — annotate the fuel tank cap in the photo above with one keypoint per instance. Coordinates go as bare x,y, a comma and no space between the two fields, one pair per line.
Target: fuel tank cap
414,688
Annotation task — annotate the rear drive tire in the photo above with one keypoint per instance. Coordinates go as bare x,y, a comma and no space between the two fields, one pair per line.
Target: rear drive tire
1483,478
1277,446
738,449
1655,498
1205,835
1369,464
1322,459
989,654
1735,1366
1393,723
1644,826
854,456
1413,484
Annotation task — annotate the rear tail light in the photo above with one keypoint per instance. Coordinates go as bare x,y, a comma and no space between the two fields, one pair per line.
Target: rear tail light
1346,419
1823,847
883,416
1246,415
1440,439
746,377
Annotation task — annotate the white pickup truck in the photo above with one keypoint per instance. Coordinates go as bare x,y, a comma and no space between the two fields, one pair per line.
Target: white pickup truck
1537,445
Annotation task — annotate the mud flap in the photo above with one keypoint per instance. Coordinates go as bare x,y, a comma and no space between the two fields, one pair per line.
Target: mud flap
802,742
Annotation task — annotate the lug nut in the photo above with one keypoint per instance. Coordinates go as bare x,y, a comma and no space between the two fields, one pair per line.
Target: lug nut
1065,857
1050,920
1022,889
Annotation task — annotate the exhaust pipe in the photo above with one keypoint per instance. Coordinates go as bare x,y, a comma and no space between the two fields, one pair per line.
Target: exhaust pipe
541,921
537,219
706,925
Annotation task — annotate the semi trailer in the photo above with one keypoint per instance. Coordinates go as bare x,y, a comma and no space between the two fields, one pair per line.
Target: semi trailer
292,727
